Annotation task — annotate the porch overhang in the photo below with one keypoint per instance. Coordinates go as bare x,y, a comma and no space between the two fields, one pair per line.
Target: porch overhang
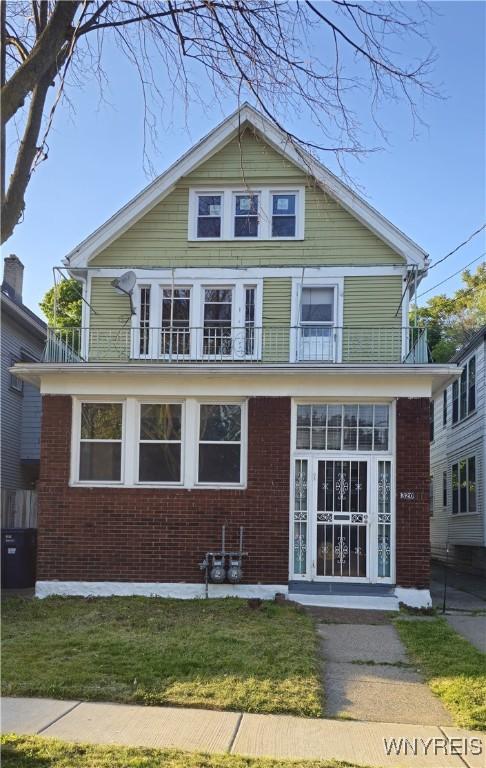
277,379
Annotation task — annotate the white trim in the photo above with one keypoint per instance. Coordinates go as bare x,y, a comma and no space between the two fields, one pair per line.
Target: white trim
208,146
197,287
309,281
130,441
416,598
243,443
181,590
164,274
76,443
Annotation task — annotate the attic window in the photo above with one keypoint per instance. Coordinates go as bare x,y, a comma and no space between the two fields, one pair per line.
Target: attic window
264,213
209,216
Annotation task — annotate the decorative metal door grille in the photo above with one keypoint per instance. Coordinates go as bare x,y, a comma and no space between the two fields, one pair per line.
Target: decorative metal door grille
301,496
384,519
342,518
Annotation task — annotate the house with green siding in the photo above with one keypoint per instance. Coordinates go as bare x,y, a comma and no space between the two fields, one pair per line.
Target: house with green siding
244,409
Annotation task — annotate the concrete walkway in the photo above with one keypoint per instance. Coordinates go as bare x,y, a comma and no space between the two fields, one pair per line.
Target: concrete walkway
277,736
368,676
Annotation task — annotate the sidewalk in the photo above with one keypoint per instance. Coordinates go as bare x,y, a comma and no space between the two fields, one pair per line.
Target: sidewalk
277,736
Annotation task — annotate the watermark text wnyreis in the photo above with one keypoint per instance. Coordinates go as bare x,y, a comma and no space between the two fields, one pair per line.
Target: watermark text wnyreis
434,745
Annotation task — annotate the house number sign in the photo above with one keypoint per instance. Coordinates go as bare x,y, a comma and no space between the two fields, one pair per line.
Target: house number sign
407,495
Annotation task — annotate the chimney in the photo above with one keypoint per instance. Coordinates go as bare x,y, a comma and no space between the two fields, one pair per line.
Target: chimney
13,277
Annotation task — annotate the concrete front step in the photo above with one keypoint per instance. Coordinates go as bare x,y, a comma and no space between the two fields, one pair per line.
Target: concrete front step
364,602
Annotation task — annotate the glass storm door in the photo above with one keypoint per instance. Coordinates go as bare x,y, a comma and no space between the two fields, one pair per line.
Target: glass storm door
342,519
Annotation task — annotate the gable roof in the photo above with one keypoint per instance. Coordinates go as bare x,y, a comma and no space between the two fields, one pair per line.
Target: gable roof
163,185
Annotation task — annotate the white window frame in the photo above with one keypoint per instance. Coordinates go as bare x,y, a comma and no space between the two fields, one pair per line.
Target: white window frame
194,212
265,203
181,442
373,457
76,441
298,222
237,284
337,283
131,439
243,443
236,194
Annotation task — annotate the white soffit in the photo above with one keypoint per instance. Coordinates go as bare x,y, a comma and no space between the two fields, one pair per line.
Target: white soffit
210,145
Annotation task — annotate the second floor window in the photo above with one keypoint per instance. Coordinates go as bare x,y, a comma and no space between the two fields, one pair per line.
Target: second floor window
175,331
431,421
444,407
455,402
444,489
218,303
464,392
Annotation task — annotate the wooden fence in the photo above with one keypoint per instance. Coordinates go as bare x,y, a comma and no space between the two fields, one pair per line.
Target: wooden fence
19,509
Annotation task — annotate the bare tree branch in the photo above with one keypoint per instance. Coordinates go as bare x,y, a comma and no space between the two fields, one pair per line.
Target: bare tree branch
302,59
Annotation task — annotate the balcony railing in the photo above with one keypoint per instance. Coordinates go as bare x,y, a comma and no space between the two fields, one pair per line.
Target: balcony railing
229,344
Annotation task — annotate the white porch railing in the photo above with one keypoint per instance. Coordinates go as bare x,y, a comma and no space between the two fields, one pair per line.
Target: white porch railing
230,344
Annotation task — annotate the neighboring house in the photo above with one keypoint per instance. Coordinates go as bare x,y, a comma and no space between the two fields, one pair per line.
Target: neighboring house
458,460
245,361
23,336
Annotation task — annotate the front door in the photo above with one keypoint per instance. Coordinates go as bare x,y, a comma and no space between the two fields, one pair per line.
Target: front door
341,519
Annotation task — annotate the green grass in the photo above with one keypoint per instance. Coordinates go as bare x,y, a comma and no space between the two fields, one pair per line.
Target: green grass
217,654
38,752
453,668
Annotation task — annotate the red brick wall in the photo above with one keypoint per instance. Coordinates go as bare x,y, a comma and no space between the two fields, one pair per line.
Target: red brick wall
413,474
131,534
125,534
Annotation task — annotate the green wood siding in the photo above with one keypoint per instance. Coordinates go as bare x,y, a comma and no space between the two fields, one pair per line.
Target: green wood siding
371,330
109,338
277,298
332,235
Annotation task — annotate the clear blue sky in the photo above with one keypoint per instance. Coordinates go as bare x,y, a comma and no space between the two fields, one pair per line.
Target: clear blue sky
432,187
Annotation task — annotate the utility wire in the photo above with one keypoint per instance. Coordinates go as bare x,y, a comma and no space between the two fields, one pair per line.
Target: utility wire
450,276
457,248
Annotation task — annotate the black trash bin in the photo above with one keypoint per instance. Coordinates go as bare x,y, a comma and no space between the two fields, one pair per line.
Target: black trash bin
18,557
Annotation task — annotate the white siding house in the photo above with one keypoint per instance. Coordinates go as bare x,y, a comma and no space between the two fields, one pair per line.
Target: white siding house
458,461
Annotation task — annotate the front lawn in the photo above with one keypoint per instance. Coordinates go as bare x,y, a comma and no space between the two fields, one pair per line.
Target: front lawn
38,752
454,669
217,654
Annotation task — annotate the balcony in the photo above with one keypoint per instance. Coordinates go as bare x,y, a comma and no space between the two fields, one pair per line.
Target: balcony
309,345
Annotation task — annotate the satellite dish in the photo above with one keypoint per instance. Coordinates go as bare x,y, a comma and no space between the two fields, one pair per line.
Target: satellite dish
125,283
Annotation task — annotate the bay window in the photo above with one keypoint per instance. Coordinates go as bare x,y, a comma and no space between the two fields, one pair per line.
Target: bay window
100,448
219,444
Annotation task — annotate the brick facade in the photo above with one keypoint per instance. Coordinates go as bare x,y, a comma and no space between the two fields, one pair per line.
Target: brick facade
147,535
413,474
131,534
